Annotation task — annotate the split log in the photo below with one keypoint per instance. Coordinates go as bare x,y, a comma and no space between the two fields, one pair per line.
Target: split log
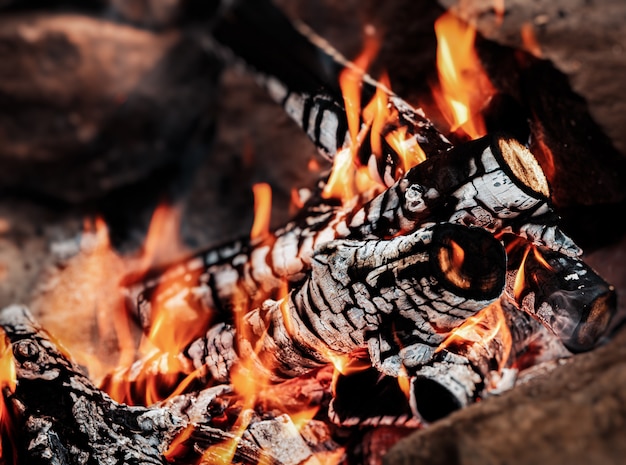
375,295
493,182
564,293
300,70
75,422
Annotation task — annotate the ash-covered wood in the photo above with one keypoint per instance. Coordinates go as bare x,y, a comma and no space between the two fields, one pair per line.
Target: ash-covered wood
358,296
481,360
493,183
75,422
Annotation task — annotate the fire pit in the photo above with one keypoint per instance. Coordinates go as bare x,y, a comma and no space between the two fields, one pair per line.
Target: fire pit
417,271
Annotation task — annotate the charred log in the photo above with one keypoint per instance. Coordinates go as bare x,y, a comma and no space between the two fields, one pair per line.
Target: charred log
301,71
493,183
482,359
75,422
356,291
565,294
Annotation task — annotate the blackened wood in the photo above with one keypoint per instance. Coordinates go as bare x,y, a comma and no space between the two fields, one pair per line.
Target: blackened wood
358,295
565,294
301,71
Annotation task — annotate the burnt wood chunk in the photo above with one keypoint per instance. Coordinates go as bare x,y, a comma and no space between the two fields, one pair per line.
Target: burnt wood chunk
564,293
481,359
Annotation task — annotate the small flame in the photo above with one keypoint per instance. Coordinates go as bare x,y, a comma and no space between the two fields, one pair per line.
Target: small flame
350,81
481,328
464,86
529,40
404,382
8,383
262,211
458,255
163,238
520,277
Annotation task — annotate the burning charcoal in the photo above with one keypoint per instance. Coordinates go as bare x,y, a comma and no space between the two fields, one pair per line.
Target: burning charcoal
75,422
565,294
427,282
301,72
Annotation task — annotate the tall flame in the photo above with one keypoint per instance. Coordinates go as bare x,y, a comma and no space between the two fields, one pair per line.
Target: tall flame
262,210
464,88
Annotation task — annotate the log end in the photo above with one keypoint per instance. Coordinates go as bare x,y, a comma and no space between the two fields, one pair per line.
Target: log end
524,165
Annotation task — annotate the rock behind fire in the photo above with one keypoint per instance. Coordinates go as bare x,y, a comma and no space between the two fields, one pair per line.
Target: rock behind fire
88,105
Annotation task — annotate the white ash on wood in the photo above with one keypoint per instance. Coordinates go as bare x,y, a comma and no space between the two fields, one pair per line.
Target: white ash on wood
493,183
75,422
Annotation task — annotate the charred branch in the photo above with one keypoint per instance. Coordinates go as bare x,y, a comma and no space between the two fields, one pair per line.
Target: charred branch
300,70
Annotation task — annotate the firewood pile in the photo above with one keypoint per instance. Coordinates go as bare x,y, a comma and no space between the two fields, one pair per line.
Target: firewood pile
443,285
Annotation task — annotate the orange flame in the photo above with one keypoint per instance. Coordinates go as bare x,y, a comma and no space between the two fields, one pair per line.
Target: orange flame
262,211
404,382
529,40
8,383
481,328
464,86
520,277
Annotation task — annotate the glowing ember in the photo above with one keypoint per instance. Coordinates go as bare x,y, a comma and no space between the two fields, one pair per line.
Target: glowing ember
464,87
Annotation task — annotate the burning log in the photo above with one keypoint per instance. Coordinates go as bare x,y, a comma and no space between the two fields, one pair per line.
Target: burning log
366,295
565,294
304,76
493,183
481,358
75,422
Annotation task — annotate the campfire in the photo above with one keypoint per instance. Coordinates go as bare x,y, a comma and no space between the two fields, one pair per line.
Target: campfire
424,270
